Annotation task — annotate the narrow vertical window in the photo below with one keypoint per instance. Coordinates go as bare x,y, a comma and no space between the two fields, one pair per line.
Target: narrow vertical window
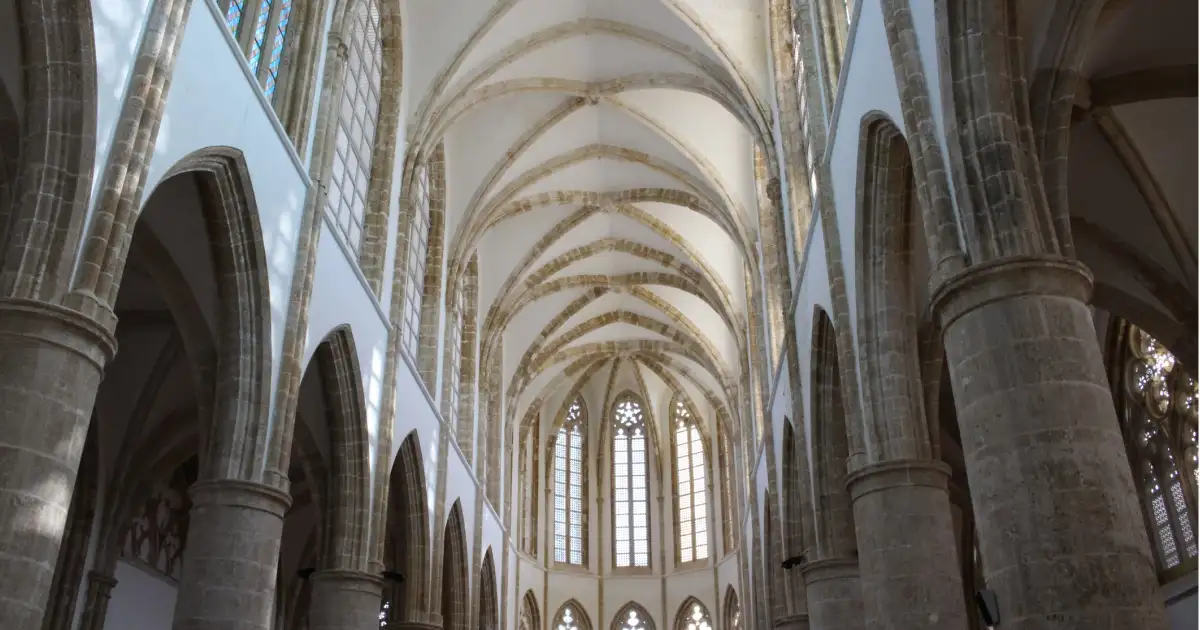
276,52
631,500
260,35
454,341
418,247
347,196
568,486
691,485
729,514
1160,422
233,15
260,28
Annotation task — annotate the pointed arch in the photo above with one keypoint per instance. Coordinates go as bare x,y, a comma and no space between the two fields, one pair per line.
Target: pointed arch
834,515
693,615
691,482
406,544
489,602
632,616
531,616
570,485
630,482
571,616
794,505
455,585
349,448
733,610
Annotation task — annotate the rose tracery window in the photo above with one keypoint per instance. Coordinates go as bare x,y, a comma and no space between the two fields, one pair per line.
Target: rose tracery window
691,485
631,500
569,482
1159,416
567,619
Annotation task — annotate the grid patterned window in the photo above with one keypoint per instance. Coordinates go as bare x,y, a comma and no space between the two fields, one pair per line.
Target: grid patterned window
262,37
418,247
347,196
569,479
631,495
454,342
1160,420
691,485
729,515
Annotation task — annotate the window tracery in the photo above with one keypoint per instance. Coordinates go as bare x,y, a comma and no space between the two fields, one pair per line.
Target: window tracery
694,617
569,480
691,515
631,500
567,619
418,248
733,610
156,537
633,618
1159,414
346,198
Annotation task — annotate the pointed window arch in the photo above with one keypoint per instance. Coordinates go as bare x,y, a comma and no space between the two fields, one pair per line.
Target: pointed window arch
531,617
633,617
570,480
691,484
733,610
571,616
631,490
693,615
1158,402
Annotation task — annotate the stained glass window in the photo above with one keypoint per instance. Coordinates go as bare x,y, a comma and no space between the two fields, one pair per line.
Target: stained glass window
568,619
729,515
276,53
263,37
260,35
233,15
631,500
695,618
1160,421
418,246
691,487
347,195
634,619
569,479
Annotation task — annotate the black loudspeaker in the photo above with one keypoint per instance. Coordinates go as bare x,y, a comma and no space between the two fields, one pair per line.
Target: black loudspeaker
989,607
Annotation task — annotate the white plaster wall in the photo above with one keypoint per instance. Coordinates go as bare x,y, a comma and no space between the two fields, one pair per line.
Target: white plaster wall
140,601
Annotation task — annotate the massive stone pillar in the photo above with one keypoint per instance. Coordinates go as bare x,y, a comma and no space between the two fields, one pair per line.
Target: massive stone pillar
345,600
1061,533
229,565
906,546
834,594
51,361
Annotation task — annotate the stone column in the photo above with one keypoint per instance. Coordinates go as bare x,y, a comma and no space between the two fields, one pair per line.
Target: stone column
834,594
51,361
1060,528
906,546
345,600
99,593
229,564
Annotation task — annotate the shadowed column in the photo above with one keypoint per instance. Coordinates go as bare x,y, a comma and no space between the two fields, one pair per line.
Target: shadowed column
345,600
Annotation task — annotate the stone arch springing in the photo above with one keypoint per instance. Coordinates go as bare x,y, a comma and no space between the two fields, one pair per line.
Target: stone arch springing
489,601
834,516
571,615
693,615
455,581
407,541
44,217
531,616
349,481
887,327
632,616
733,610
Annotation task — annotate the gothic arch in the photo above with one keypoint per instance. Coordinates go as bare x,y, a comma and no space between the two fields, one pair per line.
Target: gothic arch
455,581
632,615
489,602
692,610
349,487
732,610
834,516
406,542
578,614
531,615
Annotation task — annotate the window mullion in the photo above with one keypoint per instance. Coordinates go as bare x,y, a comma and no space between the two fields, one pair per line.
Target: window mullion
264,61
245,34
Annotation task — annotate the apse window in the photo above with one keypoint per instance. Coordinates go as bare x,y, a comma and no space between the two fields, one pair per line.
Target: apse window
631,504
691,487
568,486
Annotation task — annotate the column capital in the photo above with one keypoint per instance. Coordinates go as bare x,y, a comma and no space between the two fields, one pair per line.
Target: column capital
351,579
897,473
798,621
1007,278
236,492
104,583
829,569
64,327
